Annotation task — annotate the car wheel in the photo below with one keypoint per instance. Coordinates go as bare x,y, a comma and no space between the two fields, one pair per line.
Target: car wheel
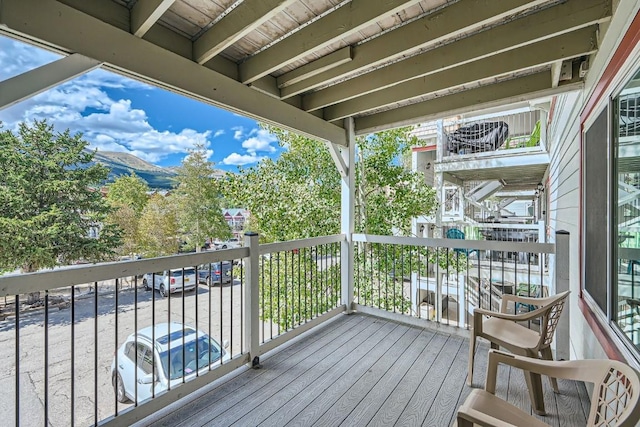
163,291
224,246
118,387
146,285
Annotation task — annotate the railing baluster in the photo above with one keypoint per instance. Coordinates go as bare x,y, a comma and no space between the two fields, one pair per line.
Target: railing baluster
17,358
73,354
95,355
46,356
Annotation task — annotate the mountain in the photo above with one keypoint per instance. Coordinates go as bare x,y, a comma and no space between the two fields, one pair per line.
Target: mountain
124,163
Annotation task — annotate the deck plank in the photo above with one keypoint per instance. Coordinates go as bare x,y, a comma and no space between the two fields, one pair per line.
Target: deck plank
354,396
317,407
338,363
569,404
383,389
395,404
242,385
364,371
281,376
481,360
442,410
416,410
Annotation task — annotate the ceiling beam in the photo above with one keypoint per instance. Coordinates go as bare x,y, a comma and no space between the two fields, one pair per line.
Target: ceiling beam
146,13
451,22
563,18
240,21
344,21
327,62
516,90
68,30
38,80
566,46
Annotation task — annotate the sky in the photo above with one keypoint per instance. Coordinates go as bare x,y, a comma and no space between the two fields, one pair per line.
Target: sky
116,113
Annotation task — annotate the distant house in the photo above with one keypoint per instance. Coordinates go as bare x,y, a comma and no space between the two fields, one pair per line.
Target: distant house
236,218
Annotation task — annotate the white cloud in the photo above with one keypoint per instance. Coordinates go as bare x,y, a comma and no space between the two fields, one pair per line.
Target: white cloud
260,142
235,159
83,105
218,133
238,132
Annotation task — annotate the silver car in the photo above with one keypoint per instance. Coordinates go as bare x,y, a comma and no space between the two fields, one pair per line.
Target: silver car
171,281
156,357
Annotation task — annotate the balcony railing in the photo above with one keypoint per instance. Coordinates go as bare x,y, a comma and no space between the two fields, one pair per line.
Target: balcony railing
81,343
521,130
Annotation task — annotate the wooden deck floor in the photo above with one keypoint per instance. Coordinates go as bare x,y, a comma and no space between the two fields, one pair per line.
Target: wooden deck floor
360,370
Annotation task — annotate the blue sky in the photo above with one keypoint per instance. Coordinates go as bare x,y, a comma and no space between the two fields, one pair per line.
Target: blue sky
116,113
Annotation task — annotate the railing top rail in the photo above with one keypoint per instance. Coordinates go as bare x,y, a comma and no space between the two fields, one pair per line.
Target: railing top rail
493,245
22,283
301,243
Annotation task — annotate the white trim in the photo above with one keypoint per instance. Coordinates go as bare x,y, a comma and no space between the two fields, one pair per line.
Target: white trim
540,248
299,244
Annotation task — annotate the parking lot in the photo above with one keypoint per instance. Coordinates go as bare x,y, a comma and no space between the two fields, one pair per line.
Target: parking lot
218,313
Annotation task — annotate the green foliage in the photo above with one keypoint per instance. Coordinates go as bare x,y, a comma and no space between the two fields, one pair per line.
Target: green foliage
298,196
49,200
197,195
158,227
388,193
296,287
129,190
127,196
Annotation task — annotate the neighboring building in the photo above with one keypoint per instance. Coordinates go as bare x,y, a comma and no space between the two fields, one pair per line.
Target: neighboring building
236,218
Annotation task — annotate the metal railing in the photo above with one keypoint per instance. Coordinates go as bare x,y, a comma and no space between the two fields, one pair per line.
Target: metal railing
66,349
499,132
442,280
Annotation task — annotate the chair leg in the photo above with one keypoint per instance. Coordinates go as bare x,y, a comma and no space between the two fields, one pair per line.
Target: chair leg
534,385
461,422
548,355
472,351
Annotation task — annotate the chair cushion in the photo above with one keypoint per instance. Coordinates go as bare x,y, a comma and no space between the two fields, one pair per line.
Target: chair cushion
509,334
495,407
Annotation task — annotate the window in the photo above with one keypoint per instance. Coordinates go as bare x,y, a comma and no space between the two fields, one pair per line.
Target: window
595,149
626,210
145,356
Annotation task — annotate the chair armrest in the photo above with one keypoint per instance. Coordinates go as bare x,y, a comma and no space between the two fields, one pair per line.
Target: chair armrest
481,418
578,370
514,317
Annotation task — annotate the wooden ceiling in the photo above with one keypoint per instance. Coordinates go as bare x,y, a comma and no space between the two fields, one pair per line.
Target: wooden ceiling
309,64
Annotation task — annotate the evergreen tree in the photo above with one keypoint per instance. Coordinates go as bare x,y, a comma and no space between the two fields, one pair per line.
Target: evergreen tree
51,209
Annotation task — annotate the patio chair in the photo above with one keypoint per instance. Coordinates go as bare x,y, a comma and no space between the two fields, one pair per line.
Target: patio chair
502,330
614,401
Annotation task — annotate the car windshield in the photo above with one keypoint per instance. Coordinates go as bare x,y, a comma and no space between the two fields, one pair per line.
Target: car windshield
195,355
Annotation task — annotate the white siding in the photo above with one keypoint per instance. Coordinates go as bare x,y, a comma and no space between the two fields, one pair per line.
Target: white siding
564,173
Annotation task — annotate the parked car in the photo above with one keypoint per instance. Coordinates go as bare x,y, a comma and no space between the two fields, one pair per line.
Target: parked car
228,244
216,273
165,354
171,281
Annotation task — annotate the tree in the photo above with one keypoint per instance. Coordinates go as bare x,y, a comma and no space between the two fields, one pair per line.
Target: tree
197,194
158,226
130,190
51,209
128,196
298,196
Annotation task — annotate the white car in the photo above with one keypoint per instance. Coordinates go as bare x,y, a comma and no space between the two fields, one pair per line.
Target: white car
171,281
228,244
165,354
